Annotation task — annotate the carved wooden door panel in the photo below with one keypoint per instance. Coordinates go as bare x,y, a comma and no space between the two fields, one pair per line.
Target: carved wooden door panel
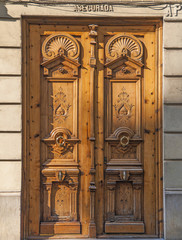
60,172
92,159
59,146
127,63
123,135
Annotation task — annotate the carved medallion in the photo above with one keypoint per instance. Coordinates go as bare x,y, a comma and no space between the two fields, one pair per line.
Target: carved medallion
123,108
60,44
61,106
124,45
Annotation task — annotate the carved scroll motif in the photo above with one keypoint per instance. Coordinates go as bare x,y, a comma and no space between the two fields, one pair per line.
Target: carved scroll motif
60,44
124,45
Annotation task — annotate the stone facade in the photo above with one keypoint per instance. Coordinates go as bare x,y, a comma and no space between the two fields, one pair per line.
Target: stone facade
10,104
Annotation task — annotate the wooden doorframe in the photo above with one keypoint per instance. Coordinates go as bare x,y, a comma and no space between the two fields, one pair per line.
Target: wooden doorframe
120,21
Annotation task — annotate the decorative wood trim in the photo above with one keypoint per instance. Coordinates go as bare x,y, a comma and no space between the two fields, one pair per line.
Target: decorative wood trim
137,227
92,187
61,140
159,127
124,138
59,228
146,22
60,44
113,62
25,128
123,45
114,176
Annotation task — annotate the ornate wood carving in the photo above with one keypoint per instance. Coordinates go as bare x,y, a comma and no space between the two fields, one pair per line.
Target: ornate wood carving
124,45
92,187
122,198
61,106
63,202
60,44
123,56
61,95
60,54
61,140
60,194
123,69
123,108
124,139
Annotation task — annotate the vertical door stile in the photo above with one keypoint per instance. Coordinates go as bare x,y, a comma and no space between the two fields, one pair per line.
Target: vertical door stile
92,187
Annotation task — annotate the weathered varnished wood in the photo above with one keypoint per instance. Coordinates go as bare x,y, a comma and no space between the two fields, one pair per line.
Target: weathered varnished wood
34,163
122,183
93,64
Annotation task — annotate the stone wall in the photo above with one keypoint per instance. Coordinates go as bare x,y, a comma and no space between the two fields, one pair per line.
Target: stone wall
172,86
10,107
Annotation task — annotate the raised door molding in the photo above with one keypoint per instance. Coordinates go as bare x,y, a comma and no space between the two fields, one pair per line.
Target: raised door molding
60,171
124,172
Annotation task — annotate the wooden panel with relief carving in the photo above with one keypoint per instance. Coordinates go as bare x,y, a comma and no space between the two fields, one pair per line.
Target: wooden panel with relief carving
124,96
124,110
92,124
60,56
123,78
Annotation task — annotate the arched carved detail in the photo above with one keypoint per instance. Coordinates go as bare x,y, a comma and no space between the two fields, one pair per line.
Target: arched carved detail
125,139
61,140
123,45
122,130
60,44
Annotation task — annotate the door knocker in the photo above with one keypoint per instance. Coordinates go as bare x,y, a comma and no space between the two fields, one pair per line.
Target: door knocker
124,141
60,141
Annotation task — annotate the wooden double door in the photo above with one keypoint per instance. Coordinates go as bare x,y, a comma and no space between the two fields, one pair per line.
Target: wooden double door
93,156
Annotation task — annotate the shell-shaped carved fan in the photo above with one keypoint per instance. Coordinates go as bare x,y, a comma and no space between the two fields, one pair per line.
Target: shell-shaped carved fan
124,45
59,44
